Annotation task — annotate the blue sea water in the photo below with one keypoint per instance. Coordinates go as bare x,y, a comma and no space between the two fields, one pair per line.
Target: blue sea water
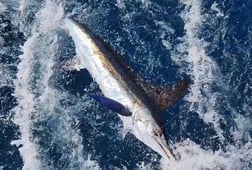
48,121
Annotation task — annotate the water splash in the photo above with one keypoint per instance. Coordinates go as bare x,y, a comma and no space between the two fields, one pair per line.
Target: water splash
202,68
25,108
2,7
50,138
23,92
192,57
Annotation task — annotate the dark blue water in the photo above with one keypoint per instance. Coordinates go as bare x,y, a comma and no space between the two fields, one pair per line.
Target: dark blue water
48,121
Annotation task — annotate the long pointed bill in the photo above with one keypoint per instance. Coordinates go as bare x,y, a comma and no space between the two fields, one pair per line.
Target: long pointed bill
166,153
156,143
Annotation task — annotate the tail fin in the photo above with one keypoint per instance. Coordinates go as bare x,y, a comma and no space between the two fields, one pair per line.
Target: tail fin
165,97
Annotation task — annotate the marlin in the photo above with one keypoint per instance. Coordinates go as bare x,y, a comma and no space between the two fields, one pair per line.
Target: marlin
138,104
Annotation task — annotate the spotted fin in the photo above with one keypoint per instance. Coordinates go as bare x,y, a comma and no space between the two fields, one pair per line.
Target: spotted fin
111,104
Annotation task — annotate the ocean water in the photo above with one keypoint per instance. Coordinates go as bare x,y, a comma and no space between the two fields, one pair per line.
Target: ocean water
48,121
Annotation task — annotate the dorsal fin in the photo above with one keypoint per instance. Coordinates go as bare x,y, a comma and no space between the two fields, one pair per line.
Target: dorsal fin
165,97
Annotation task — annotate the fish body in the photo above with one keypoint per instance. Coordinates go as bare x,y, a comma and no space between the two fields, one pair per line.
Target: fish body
123,89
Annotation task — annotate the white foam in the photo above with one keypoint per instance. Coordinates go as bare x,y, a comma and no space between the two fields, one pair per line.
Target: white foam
2,7
145,3
201,67
120,4
204,72
50,16
5,75
42,47
216,9
244,126
70,137
166,30
193,157
6,71
25,108
90,164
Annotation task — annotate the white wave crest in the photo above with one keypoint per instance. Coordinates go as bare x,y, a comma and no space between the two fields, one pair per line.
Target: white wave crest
25,109
2,7
37,100
26,105
202,68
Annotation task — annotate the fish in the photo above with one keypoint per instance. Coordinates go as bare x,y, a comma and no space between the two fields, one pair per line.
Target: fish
139,105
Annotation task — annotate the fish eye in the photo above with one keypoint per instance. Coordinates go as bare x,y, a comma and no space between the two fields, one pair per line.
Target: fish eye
157,132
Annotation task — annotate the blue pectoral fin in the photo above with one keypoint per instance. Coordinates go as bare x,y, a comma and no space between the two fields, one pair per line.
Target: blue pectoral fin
111,104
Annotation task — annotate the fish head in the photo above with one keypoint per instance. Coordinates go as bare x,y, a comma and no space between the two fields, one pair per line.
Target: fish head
149,132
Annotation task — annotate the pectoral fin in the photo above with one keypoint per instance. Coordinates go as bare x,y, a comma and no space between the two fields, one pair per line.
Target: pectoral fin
112,104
